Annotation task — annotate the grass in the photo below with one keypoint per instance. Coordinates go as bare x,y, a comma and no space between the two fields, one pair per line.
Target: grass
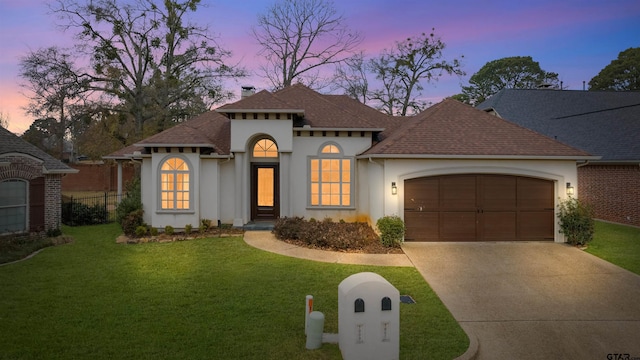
618,244
205,298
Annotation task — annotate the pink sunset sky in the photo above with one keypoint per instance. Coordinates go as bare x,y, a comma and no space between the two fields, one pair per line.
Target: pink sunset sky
574,38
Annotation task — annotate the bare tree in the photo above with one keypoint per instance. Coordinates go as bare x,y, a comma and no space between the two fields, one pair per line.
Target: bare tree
53,87
404,70
148,60
351,78
299,36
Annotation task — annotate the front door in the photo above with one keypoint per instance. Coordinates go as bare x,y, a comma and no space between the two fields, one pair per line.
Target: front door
264,191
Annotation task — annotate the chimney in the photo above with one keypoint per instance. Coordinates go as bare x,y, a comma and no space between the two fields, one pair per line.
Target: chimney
247,91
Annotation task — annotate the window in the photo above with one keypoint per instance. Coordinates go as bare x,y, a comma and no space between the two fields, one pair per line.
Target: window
330,176
265,148
174,184
13,206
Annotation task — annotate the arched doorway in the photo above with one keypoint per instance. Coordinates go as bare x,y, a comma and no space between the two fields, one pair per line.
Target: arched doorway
265,180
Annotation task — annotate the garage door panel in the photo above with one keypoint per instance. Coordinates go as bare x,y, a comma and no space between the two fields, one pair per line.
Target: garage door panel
482,207
458,226
498,192
535,194
499,226
424,194
535,225
458,193
422,226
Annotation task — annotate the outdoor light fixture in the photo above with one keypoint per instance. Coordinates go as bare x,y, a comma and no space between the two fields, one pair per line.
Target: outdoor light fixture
394,188
569,189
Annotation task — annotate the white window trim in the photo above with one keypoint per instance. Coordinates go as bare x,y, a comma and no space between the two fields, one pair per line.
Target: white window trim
159,208
320,155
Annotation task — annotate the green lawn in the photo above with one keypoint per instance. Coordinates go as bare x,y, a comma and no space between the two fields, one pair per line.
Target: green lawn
618,244
208,298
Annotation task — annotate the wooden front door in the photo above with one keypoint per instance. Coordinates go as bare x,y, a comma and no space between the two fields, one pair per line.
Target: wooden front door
265,193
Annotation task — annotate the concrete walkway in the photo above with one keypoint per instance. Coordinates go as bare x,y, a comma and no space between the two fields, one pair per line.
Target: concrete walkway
523,301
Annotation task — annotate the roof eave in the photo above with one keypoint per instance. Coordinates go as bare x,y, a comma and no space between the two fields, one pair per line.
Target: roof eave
476,157
262,111
60,171
337,129
183,145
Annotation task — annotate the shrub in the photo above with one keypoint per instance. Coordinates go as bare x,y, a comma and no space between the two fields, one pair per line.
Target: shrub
391,230
141,231
54,232
205,224
153,231
77,213
130,202
325,234
187,229
169,230
576,221
131,222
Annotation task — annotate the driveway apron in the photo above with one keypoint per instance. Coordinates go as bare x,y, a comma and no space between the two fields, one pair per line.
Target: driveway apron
534,300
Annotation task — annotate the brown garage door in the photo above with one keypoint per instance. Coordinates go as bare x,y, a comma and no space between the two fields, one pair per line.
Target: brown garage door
478,207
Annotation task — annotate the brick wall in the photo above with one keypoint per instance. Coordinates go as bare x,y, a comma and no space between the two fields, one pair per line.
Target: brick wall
97,177
26,168
52,200
613,191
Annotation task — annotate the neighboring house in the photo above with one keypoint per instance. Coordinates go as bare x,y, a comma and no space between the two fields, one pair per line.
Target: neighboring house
452,172
30,183
602,123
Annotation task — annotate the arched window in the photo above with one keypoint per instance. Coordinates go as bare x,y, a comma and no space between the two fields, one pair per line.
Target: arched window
265,148
175,184
13,207
331,177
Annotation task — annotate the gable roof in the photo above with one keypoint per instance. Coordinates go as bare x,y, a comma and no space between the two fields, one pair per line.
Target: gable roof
211,129
604,123
11,143
453,129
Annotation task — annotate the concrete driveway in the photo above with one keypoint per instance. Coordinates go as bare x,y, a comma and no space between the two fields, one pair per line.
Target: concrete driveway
534,300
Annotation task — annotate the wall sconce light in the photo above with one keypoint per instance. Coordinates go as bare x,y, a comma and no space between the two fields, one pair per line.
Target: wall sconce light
394,188
569,189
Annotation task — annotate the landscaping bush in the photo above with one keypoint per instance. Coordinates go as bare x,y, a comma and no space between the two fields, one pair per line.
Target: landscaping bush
77,213
187,229
130,202
325,234
141,231
131,222
153,231
576,221
205,224
391,230
169,230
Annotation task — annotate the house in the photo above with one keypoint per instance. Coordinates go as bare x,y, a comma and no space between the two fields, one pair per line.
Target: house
30,183
452,172
603,123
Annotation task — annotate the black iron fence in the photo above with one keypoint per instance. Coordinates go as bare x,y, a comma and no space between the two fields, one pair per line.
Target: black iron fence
89,210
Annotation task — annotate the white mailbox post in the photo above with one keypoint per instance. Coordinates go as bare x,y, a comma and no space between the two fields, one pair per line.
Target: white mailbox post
368,318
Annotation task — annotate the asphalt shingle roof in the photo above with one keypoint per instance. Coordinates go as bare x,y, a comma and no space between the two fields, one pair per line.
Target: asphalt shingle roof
11,143
448,128
453,128
603,123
